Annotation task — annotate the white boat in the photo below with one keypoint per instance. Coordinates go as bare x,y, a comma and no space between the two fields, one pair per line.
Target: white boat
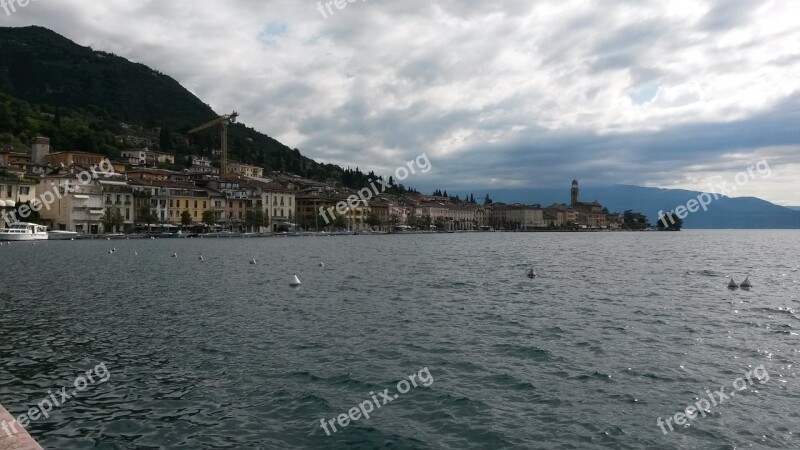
58,235
23,231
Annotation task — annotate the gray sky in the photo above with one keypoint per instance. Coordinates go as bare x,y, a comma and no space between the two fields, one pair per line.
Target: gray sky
503,93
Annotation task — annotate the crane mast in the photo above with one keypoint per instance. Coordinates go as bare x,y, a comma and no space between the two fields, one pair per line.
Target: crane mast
223,121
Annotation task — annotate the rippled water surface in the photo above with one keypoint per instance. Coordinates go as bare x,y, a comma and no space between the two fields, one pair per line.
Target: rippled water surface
619,330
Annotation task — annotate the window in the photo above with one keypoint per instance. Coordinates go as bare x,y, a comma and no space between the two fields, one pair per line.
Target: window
204,204
24,190
195,204
187,203
195,214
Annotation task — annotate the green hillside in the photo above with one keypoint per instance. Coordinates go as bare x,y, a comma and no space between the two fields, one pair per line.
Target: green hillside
99,102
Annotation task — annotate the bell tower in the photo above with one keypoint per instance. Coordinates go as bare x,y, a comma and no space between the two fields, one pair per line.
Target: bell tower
575,192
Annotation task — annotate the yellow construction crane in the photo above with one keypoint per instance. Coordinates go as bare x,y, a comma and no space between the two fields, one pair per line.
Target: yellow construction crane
223,121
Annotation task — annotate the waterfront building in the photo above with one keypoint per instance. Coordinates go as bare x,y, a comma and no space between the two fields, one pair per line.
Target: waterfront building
118,195
525,217
150,195
81,209
497,215
463,217
589,215
277,201
308,202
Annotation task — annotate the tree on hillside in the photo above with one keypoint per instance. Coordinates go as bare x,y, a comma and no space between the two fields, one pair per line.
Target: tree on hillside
165,139
487,201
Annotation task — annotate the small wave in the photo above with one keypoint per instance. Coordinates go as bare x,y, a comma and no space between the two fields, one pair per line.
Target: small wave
525,352
594,376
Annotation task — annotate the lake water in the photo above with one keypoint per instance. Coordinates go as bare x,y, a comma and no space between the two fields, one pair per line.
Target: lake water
619,330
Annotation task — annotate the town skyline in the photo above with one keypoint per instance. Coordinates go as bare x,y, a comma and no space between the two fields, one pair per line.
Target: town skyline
90,194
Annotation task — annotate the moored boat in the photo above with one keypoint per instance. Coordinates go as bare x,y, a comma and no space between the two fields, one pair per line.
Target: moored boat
58,235
23,231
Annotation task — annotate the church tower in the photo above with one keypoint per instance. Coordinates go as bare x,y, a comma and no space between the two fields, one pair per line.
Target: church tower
575,193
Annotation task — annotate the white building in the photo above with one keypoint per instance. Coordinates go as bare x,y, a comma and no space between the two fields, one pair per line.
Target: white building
521,217
75,206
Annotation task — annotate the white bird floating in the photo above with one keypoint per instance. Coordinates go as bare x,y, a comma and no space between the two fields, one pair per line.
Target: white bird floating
110,252
136,253
732,284
175,255
321,264
201,258
746,283
296,282
254,261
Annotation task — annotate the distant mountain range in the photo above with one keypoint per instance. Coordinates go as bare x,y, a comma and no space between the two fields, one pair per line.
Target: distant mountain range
726,212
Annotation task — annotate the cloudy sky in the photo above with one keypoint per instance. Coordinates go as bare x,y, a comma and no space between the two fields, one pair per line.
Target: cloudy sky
503,93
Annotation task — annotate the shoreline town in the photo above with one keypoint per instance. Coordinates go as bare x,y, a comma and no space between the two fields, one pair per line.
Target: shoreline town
137,197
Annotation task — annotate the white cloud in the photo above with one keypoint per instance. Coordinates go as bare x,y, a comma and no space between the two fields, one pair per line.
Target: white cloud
379,82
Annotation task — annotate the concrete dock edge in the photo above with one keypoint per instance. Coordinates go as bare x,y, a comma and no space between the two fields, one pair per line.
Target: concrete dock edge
16,438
